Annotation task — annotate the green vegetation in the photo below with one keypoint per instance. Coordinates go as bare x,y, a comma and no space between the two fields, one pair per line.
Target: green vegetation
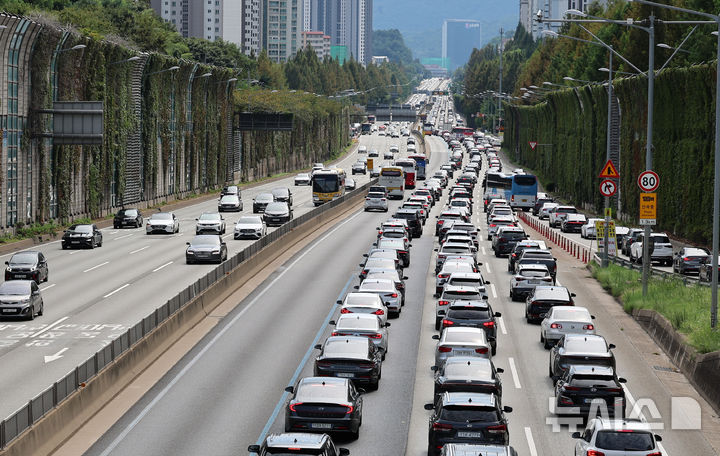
391,44
686,307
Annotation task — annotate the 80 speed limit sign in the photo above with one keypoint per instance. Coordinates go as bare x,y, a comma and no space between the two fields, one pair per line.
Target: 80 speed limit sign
648,181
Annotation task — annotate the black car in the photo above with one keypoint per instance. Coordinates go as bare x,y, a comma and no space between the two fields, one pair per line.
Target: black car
261,201
539,256
324,404
542,298
283,194
517,251
706,270
585,388
20,298
82,236
476,314
632,235
206,248
467,418
539,203
275,214
579,349
469,374
298,443
352,357
689,259
506,239
413,218
27,265
128,217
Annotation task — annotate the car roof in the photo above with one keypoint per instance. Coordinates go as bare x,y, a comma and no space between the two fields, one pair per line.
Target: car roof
360,298
302,439
630,424
551,292
471,449
475,399
695,251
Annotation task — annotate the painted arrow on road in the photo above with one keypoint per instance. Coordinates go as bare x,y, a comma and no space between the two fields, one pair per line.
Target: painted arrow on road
56,356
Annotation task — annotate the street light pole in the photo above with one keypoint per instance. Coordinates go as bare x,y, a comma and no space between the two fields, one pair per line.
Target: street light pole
648,145
499,111
606,236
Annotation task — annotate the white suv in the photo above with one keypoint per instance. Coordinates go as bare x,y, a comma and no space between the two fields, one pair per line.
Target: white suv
661,249
611,437
556,214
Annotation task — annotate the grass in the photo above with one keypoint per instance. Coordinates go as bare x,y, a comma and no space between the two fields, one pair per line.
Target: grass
687,307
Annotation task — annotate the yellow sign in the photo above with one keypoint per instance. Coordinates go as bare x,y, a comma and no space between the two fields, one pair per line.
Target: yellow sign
600,229
609,171
370,164
608,212
648,206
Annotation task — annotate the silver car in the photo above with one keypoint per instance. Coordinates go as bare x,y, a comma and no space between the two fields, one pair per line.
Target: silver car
526,278
277,213
461,341
162,222
210,222
450,248
250,227
364,303
230,203
449,268
20,298
385,288
376,202
303,179
545,210
561,320
367,325
468,279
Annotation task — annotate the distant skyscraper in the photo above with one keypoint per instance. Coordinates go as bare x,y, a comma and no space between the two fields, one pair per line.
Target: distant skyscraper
459,38
550,9
347,22
282,28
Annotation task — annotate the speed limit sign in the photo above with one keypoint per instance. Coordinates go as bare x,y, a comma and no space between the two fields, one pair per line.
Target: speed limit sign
648,181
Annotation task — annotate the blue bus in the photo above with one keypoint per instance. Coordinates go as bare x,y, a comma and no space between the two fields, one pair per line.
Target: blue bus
420,161
523,191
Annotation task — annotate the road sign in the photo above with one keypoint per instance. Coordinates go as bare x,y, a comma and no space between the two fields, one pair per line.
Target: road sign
600,235
648,208
648,181
608,212
533,144
609,171
608,188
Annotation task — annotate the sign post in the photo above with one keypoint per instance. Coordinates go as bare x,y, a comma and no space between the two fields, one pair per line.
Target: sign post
648,181
608,188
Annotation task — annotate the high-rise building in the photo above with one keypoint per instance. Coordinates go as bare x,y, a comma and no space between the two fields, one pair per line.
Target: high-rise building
281,28
347,22
550,9
319,42
459,38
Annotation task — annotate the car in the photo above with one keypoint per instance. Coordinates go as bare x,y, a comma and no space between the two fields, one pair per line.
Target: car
505,239
362,149
450,248
378,189
461,341
587,389
518,249
561,320
374,172
365,303
473,314
21,299
162,222
462,204
388,155
544,297
261,201
574,349
587,231
230,190
388,292
128,217
82,235
376,201
470,449
27,265
229,203
390,274
545,209
617,437
363,325
572,223
556,214
374,152
466,227
469,374
277,213
250,227
689,259
283,195
324,404
298,443
705,273
538,256
448,269
350,183
526,278
401,245
461,417
206,248
447,216
359,167
467,279
210,221
539,203
660,249
351,357
413,219
302,179
497,222
379,261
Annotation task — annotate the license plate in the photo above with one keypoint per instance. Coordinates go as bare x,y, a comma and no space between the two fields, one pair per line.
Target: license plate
462,352
345,374
321,425
7,311
470,435
75,242
20,276
588,400
533,282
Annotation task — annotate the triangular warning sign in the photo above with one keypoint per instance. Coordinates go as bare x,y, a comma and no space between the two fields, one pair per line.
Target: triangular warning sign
609,171
533,144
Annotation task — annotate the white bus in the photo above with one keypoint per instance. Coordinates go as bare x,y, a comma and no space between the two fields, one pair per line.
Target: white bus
393,179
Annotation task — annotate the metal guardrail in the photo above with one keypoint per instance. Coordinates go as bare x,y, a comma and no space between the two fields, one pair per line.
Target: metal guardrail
39,406
687,280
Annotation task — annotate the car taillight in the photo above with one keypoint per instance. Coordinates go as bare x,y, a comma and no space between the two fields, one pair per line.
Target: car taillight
512,198
492,225
588,327
489,324
292,406
686,259
657,453
595,453
497,429
556,326
394,295
440,222
571,388
442,427
375,336
444,349
514,255
447,323
349,410
402,252
443,303
443,276
345,311
379,312
482,351
501,239
383,199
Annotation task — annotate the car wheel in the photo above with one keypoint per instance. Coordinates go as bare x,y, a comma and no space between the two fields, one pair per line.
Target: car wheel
355,435
497,254
550,372
494,350
31,316
92,244
437,324
137,224
42,309
115,227
100,243
47,277
64,247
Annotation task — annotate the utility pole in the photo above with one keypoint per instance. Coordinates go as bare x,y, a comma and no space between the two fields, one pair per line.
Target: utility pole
649,146
499,112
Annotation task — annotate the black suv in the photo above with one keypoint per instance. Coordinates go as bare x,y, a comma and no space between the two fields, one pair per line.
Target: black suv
470,374
299,443
579,349
414,220
506,239
583,389
542,298
128,217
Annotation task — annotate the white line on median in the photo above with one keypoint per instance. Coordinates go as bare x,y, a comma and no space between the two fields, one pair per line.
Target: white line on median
123,236
49,286
487,266
95,267
483,250
515,377
501,322
641,415
228,235
140,249
48,327
492,288
116,290
160,267
74,252
530,441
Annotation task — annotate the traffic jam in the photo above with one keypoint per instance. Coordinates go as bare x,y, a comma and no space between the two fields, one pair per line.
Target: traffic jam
467,414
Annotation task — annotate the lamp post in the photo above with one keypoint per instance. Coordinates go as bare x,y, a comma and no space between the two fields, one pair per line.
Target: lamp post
207,137
667,46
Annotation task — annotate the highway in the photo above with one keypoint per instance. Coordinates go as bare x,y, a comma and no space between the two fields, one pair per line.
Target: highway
227,392
92,296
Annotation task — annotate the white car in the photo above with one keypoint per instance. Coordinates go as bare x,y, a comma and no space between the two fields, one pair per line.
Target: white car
303,179
545,210
617,437
661,249
162,222
250,227
561,320
364,303
449,268
587,231
556,214
362,149
376,202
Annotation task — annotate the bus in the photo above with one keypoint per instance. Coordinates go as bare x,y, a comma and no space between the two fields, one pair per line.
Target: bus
499,181
409,170
392,178
327,185
461,132
428,128
420,162
523,192
366,128
371,118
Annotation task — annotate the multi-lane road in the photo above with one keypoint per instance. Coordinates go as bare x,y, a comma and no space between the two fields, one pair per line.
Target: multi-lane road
228,391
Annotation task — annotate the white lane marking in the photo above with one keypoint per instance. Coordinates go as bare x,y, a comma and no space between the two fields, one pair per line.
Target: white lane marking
501,322
641,415
228,235
74,252
530,441
56,356
114,232
95,267
213,341
513,369
494,291
49,286
50,326
483,250
123,236
160,267
116,290
487,266
140,249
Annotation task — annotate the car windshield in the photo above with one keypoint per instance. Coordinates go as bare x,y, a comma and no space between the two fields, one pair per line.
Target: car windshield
455,249
81,228
586,345
205,241
391,243
280,192
464,337
321,392
264,198
469,414
513,235
358,323
571,314
128,213
461,295
303,176
476,369
624,441
376,195
229,199
593,381
468,313
368,285
162,216
15,288
295,451
249,221
343,347
533,273
24,258
276,207
210,217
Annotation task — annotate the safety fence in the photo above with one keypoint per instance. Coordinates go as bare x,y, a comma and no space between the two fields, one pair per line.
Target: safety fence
39,406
